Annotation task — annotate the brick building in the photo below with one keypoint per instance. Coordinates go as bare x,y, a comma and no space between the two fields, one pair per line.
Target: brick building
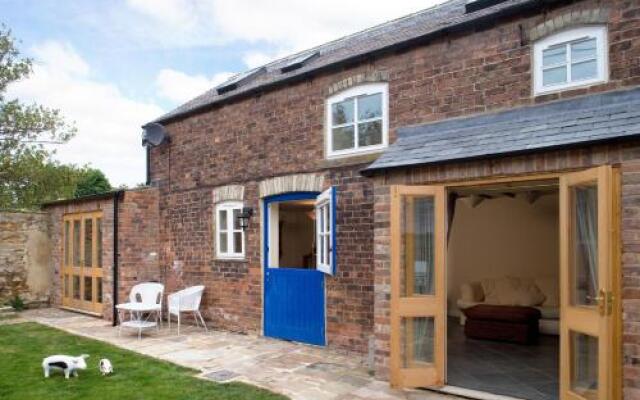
310,194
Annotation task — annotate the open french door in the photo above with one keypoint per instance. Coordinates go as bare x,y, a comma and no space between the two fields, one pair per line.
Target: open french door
418,322
588,258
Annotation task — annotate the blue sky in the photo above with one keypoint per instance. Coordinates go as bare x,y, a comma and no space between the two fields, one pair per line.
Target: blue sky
111,66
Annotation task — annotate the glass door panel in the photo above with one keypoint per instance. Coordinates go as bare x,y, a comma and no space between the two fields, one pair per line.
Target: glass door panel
88,243
99,242
417,286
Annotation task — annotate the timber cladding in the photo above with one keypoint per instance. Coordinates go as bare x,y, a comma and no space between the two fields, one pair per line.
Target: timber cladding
280,132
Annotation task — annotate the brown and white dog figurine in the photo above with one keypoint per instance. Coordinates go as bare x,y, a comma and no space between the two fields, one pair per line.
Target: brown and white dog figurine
105,367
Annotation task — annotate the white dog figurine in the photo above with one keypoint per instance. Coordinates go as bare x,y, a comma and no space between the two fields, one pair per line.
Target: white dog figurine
105,367
68,364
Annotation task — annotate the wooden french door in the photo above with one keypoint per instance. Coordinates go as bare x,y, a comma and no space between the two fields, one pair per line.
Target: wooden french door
417,286
588,258
82,262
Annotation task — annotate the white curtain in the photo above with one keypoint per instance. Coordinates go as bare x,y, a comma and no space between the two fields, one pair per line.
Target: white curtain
424,246
586,203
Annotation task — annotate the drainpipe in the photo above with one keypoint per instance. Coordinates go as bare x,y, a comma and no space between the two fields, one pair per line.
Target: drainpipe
148,151
116,197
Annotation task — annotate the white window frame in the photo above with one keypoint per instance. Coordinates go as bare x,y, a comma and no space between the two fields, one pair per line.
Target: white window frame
361,90
567,37
229,207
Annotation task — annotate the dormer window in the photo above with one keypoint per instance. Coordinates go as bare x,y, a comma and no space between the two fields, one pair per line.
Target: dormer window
357,120
570,59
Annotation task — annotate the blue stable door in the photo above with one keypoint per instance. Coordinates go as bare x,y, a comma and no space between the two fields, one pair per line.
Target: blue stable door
294,295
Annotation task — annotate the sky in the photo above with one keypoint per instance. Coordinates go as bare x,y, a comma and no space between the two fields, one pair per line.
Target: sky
110,66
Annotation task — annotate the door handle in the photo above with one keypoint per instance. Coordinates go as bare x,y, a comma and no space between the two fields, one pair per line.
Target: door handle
604,300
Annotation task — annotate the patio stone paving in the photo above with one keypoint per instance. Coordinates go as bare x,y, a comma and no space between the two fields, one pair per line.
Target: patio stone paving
296,370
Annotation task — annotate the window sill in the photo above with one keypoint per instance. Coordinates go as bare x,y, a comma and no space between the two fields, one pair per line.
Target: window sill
351,159
567,88
231,259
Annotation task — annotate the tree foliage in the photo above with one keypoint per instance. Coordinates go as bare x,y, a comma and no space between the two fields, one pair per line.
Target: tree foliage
28,173
92,181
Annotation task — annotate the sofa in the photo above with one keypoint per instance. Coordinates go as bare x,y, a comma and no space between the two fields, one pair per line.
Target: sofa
539,293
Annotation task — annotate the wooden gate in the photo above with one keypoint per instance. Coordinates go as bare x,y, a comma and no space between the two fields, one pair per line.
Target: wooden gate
82,271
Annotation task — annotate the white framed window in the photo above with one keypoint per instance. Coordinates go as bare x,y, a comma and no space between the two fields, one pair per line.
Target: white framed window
357,120
571,58
229,233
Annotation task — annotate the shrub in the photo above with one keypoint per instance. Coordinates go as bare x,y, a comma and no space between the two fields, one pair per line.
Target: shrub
17,303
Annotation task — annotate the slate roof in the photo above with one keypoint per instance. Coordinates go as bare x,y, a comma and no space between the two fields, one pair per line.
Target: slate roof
416,27
583,120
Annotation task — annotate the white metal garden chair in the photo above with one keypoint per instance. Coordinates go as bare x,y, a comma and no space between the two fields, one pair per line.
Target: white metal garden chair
184,301
145,302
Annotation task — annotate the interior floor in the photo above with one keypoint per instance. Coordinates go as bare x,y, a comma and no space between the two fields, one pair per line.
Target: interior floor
523,371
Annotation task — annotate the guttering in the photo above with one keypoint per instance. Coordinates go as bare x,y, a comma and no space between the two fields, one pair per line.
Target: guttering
116,197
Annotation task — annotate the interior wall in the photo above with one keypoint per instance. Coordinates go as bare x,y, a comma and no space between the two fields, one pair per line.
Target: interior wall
502,237
296,236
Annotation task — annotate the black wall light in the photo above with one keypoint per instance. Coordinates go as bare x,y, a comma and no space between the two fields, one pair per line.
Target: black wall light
244,216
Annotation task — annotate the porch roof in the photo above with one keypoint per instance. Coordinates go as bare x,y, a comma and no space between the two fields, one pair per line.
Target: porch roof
584,120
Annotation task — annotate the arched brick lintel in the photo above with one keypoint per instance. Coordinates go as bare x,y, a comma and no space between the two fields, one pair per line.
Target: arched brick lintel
228,193
570,19
291,183
358,79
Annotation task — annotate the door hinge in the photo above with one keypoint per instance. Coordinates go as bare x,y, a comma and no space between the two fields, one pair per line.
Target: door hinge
610,299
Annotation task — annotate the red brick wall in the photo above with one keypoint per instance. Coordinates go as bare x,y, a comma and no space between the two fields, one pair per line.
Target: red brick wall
281,132
138,241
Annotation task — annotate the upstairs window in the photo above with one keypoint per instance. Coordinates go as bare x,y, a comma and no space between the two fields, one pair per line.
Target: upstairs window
229,233
569,59
357,120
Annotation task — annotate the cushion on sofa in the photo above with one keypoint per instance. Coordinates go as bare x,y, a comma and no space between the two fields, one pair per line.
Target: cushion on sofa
549,286
471,292
512,291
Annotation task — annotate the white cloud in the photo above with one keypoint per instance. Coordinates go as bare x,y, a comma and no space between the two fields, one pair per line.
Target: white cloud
290,25
180,87
108,122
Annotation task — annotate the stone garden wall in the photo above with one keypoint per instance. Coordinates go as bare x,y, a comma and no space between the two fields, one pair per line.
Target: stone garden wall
25,249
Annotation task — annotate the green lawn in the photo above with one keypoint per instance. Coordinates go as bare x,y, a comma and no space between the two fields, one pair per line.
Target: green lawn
23,346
